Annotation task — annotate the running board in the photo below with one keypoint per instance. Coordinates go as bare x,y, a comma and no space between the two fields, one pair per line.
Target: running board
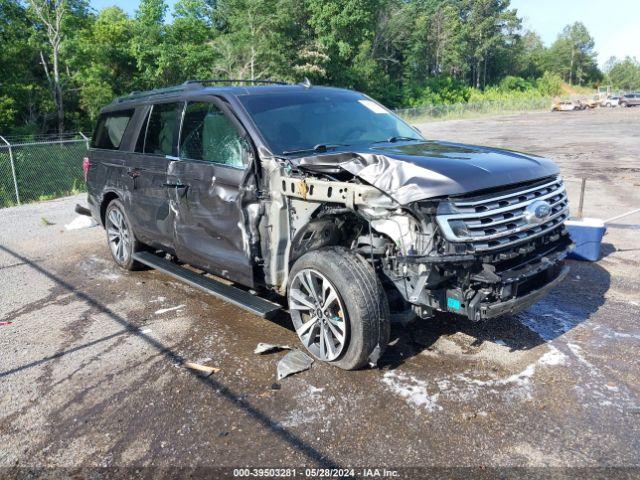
240,298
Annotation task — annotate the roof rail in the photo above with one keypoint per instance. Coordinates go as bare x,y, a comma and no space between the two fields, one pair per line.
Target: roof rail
230,80
192,84
158,91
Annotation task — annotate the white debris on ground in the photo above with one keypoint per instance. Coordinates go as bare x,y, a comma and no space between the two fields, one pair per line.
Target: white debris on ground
314,406
463,388
170,309
413,390
81,222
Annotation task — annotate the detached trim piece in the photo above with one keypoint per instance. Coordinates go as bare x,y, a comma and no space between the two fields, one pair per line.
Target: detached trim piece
348,194
240,298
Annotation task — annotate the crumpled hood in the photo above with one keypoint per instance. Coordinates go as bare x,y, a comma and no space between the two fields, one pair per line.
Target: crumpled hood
410,172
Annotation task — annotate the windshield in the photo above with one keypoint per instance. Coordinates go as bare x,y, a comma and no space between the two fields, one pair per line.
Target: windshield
295,121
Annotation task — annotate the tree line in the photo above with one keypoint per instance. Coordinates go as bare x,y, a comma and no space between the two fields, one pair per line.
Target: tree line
61,61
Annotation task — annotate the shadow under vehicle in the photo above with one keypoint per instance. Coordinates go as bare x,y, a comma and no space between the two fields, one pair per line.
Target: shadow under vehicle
323,197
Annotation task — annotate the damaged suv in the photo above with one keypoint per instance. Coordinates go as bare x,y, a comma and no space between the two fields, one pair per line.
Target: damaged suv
323,197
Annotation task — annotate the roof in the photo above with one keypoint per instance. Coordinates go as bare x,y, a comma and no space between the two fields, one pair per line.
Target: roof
214,87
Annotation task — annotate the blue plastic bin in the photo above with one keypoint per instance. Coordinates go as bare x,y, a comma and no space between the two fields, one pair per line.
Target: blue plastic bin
587,235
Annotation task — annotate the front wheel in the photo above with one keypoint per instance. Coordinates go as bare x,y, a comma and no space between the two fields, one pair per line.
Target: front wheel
339,308
120,238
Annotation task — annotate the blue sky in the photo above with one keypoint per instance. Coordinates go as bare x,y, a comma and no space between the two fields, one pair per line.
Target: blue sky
614,24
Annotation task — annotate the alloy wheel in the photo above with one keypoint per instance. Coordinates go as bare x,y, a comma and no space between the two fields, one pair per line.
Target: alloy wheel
318,315
118,235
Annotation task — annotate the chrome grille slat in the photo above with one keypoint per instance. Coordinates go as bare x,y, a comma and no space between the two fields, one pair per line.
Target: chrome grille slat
509,231
509,195
506,209
475,224
557,223
498,225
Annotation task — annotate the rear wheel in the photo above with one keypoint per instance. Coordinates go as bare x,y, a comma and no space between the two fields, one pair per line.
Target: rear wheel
339,308
120,238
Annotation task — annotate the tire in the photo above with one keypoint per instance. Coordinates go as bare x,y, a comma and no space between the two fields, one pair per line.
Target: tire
360,311
121,241
608,105
623,104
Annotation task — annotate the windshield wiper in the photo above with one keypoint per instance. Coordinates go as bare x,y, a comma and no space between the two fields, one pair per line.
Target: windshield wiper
320,148
398,138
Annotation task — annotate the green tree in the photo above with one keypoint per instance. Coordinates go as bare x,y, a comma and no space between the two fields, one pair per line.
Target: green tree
148,42
490,27
187,53
624,74
50,15
16,74
573,57
102,60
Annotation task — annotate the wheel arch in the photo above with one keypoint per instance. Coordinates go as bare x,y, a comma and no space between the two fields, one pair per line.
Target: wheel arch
107,198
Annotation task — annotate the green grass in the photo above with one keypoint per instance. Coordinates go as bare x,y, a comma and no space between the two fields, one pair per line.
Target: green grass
431,113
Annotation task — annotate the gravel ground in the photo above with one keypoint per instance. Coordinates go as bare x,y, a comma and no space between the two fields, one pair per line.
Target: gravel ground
90,369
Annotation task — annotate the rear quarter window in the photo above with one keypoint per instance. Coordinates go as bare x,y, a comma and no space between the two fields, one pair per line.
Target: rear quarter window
110,129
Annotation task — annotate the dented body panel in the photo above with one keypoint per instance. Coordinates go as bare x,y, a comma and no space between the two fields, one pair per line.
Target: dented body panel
409,172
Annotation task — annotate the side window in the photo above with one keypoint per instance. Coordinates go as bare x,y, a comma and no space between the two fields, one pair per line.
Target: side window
110,129
208,135
161,129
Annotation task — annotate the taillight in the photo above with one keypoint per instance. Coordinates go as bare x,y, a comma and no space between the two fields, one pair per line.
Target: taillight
86,165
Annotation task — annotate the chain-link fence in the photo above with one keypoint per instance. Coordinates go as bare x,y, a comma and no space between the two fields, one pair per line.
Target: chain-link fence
40,168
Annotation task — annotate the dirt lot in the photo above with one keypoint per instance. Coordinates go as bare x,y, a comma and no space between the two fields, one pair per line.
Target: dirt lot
90,375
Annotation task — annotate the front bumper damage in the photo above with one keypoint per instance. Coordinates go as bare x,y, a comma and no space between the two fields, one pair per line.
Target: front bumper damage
481,288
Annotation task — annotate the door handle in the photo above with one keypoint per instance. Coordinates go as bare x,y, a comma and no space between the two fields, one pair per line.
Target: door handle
134,173
174,185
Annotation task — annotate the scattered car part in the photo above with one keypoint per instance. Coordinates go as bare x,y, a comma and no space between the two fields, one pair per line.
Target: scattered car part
80,210
293,362
263,348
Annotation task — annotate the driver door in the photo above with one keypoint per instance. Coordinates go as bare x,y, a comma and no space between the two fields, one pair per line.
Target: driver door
204,190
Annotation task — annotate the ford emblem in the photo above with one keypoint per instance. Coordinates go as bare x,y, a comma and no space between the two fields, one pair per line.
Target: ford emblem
537,212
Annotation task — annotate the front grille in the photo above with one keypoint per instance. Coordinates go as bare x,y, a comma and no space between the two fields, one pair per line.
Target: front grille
501,219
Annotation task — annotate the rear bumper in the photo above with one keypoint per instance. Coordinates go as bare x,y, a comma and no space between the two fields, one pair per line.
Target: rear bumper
518,304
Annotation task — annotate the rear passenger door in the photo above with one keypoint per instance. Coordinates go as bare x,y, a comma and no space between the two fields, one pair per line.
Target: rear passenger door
214,155
156,147
109,166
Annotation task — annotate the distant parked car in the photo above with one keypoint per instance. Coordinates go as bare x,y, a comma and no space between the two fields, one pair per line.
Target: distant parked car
612,102
630,100
567,106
